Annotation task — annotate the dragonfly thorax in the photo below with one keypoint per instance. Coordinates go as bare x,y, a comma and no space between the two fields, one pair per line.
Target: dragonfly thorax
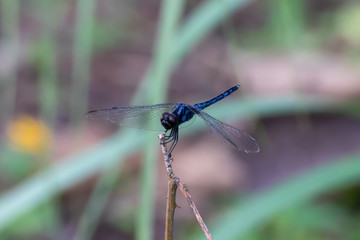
168,120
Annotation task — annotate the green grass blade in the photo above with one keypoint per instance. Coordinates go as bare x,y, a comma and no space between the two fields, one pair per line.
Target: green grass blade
71,171
195,28
145,216
201,22
48,86
245,216
96,204
286,22
82,53
9,12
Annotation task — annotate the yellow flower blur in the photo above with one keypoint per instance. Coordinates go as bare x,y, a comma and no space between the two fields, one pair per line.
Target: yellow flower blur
28,134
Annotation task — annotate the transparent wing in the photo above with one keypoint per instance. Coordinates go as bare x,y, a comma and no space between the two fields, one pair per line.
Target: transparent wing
231,136
141,117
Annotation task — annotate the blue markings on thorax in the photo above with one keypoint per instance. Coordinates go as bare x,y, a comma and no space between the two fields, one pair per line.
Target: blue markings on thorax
183,112
217,98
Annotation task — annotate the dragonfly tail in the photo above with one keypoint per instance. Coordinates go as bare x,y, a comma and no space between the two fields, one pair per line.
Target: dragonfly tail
217,98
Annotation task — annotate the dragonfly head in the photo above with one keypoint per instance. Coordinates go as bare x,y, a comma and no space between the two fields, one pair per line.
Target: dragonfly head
168,120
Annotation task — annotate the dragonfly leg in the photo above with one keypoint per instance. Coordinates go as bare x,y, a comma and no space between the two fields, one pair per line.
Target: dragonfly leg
172,138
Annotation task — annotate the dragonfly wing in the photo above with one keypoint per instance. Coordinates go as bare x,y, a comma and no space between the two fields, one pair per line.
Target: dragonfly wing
231,136
141,117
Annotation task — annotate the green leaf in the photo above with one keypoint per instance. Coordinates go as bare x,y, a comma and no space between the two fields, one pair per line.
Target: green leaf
245,216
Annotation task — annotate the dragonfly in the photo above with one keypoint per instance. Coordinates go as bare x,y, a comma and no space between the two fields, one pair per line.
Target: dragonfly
170,116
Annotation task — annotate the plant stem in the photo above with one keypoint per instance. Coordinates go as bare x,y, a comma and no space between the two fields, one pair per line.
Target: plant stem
173,183
170,209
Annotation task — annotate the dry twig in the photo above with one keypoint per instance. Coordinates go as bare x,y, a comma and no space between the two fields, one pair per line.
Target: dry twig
173,183
170,209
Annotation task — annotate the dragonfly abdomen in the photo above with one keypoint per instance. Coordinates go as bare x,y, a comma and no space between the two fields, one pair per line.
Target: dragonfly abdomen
217,98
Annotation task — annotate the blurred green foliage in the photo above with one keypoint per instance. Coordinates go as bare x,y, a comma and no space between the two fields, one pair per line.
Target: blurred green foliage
27,210
40,222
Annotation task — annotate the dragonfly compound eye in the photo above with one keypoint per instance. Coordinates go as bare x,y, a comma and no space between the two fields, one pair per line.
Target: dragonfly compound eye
168,120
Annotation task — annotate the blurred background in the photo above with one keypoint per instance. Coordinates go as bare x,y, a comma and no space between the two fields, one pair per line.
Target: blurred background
65,177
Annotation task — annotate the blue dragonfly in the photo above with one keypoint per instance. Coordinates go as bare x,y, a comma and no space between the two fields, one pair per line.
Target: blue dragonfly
170,116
